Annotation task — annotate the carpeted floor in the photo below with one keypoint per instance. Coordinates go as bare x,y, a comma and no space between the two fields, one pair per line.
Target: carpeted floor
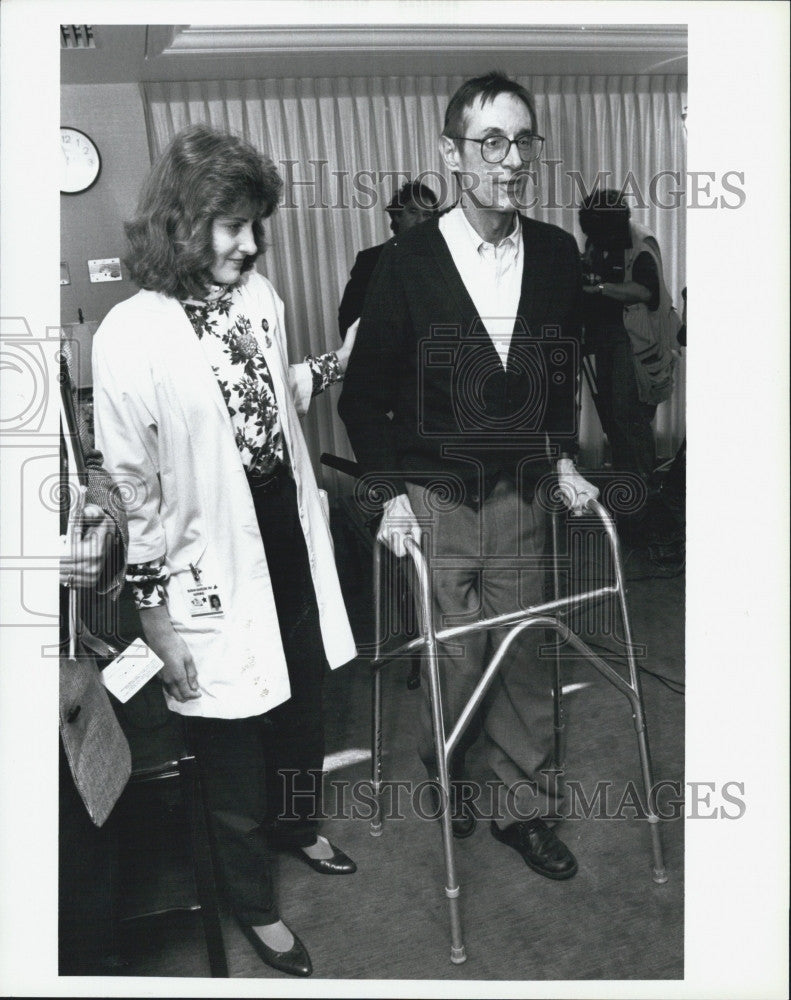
390,920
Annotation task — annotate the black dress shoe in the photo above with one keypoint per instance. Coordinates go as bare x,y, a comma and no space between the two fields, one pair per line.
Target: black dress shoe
540,848
295,961
338,864
462,818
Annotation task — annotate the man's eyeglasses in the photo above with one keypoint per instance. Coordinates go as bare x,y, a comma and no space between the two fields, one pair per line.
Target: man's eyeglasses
495,148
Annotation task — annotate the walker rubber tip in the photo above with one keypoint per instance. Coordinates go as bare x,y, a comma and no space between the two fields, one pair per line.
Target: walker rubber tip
376,829
659,876
457,955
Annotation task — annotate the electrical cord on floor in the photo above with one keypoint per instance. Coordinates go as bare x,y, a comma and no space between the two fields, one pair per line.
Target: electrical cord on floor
677,687
658,569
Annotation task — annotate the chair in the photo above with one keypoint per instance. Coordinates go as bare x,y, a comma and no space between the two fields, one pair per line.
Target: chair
164,796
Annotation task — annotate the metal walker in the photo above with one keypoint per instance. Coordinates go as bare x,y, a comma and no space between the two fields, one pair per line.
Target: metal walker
540,616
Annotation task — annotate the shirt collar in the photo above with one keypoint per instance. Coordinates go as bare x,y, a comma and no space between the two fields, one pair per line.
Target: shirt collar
475,239
216,296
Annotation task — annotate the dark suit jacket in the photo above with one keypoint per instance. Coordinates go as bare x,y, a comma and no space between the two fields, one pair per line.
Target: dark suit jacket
351,306
423,354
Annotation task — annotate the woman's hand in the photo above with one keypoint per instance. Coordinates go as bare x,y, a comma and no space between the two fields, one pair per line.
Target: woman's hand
178,675
343,353
82,565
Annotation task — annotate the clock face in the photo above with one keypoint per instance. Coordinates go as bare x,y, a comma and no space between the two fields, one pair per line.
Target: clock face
80,161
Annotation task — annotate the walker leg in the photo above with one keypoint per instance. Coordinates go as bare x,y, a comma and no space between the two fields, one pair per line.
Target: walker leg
457,954
659,873
376,752
376,698
557,690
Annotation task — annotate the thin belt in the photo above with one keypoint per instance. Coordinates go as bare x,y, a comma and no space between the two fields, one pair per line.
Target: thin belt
271,481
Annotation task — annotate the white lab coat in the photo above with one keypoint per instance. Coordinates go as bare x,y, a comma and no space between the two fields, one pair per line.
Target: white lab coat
166,436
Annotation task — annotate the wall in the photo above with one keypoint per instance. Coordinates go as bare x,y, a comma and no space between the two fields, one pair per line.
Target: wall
92,222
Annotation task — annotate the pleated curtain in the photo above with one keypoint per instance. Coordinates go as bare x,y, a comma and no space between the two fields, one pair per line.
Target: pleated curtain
345,144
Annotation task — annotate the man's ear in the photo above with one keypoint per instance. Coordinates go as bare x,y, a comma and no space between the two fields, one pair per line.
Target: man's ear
449,152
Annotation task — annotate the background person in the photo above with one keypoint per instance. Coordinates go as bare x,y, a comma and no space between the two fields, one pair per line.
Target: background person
412,204
197,407
625,418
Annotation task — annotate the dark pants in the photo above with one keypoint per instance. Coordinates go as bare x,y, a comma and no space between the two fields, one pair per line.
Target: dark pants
262,775
483,564
625,420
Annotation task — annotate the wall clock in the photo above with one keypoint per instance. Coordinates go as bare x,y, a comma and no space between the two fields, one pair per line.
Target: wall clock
81,163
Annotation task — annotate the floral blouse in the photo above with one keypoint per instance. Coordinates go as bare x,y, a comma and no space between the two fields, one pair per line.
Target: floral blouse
232,350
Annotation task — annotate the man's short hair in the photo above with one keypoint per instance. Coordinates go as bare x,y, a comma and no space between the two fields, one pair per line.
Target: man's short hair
486,88
413,192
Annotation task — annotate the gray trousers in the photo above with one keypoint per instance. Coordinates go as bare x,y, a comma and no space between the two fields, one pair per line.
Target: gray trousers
486,563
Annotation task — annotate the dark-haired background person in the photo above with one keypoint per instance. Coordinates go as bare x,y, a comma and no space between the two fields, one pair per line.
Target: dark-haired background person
197,411
412,204
625,418
95,762
479,284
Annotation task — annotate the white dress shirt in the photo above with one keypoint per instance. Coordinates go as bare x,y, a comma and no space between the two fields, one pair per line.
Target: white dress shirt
491,274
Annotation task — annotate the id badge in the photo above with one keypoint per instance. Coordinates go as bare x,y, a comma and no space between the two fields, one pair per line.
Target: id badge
204,601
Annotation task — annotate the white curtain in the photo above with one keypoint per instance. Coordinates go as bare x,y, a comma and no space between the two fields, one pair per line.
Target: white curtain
344,145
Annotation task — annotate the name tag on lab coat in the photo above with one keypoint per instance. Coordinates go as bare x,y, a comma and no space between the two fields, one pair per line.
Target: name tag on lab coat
204,601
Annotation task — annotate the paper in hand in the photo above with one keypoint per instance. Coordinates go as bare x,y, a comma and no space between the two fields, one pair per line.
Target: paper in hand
130,670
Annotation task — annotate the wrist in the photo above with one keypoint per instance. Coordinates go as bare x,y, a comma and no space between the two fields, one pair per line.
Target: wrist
394,503
600,287
155,621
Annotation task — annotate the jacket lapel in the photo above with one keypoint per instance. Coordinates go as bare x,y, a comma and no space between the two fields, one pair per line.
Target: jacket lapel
532,301
188,357
455,287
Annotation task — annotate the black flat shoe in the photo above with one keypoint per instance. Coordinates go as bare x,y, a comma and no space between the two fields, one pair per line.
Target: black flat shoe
338,864
541,850
295,961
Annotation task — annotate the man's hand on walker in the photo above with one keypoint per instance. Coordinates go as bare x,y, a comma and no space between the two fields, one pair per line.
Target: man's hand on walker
575,489
398,524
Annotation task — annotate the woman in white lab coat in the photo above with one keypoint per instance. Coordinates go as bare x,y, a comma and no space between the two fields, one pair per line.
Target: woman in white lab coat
197,414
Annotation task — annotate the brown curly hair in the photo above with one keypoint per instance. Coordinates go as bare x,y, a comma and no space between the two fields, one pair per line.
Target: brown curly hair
202,175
